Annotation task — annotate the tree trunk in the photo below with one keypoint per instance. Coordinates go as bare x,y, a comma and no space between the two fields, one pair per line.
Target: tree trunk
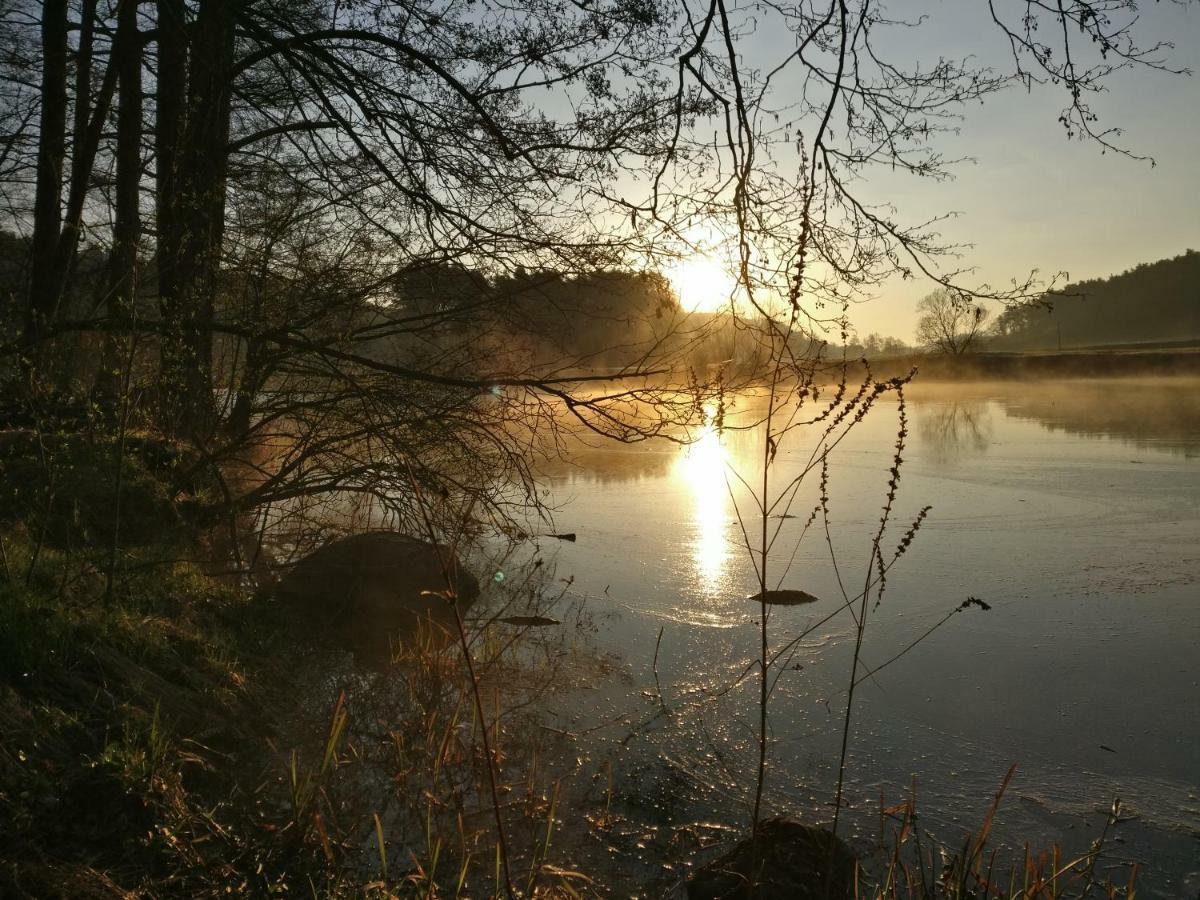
89,128
47,210
127,225
83,75
196,223
83,149
252,376
56,234
170,120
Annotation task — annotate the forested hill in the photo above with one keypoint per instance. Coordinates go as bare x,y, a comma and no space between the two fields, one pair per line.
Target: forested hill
1150,303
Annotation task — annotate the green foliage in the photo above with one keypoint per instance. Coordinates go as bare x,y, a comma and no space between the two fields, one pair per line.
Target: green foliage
64,486
143,754
110,709
32,635
53,609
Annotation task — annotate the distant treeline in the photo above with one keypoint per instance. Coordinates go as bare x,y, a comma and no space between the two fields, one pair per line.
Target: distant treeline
1151,303
605,319
597,318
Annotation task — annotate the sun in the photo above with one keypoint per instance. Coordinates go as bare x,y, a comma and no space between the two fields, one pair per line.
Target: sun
702,284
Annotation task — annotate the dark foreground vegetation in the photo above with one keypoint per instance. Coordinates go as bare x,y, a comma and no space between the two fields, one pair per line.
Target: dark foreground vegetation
170,732
138,706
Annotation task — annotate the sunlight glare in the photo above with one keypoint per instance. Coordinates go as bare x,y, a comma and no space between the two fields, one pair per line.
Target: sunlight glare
702,468
702,283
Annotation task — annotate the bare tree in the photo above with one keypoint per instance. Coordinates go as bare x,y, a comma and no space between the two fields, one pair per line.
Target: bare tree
949,323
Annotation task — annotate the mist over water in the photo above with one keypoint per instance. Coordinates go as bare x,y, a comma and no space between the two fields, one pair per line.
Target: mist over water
1072,508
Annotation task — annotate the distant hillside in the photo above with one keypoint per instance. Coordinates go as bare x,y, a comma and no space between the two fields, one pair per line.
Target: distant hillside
1151,303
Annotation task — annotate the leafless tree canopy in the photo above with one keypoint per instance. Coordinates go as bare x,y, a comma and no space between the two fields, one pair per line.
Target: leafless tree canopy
337,236
949,324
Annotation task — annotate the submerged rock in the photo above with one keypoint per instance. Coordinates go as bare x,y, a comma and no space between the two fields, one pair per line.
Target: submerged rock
368,590
791,862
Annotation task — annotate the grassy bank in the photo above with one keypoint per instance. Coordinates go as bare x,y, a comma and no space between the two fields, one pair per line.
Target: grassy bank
139,691
134,726
166,730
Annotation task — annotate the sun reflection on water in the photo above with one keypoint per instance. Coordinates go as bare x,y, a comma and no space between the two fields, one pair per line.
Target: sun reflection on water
702,468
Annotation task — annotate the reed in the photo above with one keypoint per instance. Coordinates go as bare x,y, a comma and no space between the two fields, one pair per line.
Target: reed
914,867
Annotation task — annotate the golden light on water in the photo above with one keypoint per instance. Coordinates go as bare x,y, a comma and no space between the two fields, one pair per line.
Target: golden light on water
702,467
702,283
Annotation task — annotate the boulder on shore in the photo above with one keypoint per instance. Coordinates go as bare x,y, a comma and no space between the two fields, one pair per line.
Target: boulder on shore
369,590
791,862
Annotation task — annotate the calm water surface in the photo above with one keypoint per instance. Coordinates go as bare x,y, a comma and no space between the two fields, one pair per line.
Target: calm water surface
1072,508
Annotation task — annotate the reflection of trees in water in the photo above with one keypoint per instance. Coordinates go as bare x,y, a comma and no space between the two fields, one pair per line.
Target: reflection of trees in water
957,421
621,463
611,466
1161,414
955,428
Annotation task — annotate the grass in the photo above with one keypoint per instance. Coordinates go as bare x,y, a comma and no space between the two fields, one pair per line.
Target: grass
910,866
124,727
184,711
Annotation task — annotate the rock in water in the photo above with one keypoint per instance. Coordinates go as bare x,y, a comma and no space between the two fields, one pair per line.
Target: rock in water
785,597
791,862
369,590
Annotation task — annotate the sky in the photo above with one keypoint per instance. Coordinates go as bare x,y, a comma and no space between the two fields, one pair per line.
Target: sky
1034,199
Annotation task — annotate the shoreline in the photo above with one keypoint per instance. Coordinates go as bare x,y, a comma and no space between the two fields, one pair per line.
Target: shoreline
987,366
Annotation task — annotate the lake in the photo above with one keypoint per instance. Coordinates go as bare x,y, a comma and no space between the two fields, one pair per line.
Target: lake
1071,508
